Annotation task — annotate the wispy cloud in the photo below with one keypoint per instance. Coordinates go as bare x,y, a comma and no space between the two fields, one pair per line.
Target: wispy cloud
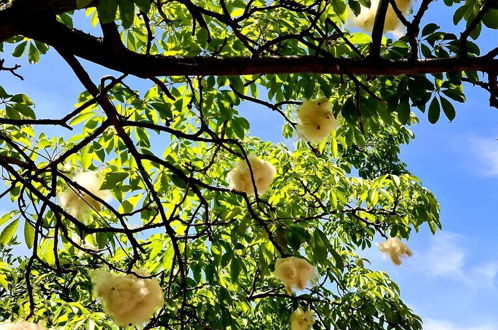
446,256
433,324
486,151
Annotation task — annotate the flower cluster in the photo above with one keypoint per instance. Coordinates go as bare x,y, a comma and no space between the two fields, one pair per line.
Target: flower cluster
128,299
301,320
240,177
78,202
395,249
20,325
315,120
295,273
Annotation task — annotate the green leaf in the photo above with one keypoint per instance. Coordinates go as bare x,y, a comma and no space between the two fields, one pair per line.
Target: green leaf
8,232
168,258
82,3
373,196
319,247
4,283
403,112
433,227
235,269
340,9
11,112
459,13
33,54
296,235
112,178
455,94
178,181
322,145
448,108
25,110
202,36
333,145
429,28
102,240
5,218
338,259
80,118
20,49
29,234
126,12
3,93
237,84
144,5
490,19
107,10
47,254
349,111
434,111
163,108
21,98
42,47
323,238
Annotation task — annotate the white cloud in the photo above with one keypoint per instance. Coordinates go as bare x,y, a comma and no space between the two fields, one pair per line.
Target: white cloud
433,324
487,273
446,256
486,150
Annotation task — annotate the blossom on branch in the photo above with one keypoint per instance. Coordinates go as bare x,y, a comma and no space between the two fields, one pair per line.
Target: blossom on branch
395,249
77,202
129,300
295,273
20,325
315,120
240,178
301,320
366,19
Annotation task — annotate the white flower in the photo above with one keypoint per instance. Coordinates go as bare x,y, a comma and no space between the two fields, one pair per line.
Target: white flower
20,325
295,273
365,20
240,176
315,120
395,249
78,202
128,299
301,320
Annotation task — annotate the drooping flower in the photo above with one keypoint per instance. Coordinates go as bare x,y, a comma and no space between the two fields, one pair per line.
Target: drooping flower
301,320
315,120
128,299
295,273
365,20
77,202
20,325
240,176
395,249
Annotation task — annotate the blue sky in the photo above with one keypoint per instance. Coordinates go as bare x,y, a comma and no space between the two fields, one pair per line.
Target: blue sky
452,279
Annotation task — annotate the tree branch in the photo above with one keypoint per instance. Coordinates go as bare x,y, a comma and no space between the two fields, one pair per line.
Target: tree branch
10,69
91,48
378,28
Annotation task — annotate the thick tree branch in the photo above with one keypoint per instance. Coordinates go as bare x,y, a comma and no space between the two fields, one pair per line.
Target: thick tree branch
15,13
92,49
378,28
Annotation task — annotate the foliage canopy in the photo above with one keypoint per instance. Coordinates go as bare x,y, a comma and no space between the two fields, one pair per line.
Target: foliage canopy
164,153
